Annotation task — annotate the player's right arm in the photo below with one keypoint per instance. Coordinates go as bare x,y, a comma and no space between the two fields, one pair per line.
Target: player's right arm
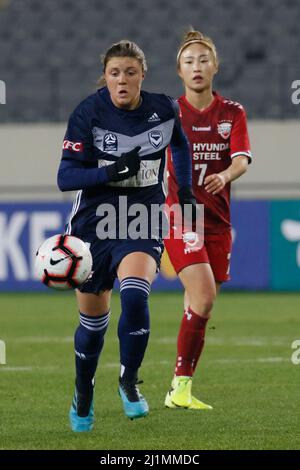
78,169
73,173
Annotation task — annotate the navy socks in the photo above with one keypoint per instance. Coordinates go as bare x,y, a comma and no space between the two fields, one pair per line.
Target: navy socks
88,342
134,325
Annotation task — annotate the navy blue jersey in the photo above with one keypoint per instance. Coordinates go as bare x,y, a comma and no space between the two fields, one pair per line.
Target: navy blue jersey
98,133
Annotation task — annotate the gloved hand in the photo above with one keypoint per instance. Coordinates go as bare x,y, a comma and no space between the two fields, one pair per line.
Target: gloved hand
186,196
128,164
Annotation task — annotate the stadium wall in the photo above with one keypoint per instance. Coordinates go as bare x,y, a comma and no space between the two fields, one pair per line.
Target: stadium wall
32,154
265,208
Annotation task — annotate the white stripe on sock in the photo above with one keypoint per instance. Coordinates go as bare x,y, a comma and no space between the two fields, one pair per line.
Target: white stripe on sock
132,283
94,321
137,281
134,286
95,324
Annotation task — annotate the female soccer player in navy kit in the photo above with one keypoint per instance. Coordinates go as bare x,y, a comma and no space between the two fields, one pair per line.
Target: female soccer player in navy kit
114,150
217,132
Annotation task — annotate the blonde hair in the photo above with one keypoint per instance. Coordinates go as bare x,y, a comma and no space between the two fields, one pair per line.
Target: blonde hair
193,37
123,48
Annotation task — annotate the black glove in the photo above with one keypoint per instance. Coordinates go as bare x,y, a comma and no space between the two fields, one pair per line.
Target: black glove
186,196
128,164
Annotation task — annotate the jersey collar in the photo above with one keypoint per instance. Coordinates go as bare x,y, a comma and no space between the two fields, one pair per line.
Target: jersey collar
204,111
105,93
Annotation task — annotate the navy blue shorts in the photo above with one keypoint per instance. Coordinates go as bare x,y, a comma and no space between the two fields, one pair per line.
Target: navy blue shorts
107,255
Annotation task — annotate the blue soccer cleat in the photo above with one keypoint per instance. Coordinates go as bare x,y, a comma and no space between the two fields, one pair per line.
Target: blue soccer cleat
134,404
82,412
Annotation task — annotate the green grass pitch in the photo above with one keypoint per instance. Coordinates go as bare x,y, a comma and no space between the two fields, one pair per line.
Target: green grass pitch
246,373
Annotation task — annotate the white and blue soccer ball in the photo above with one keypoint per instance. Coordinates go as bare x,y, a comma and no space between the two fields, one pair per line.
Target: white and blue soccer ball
63,262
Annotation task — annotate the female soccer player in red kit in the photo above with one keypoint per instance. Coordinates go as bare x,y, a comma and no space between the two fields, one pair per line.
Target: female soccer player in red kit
217,131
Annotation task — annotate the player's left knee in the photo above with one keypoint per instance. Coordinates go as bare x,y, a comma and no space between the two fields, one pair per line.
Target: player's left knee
202,306
207,307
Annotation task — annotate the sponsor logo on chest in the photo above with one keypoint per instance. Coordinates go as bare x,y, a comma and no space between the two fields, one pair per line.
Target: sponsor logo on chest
147,175
209,150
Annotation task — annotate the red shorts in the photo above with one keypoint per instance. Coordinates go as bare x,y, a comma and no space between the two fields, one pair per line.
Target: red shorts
216,251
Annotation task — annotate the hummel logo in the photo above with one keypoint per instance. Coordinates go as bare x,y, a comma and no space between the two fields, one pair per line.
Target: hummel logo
126,169
154,118
188,314
197,129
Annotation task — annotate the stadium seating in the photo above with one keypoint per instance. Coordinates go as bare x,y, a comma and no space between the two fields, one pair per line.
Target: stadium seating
49,51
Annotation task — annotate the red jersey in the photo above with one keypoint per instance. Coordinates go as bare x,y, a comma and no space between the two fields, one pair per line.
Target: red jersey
216,135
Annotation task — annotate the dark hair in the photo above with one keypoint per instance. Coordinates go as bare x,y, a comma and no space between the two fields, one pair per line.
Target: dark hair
123,48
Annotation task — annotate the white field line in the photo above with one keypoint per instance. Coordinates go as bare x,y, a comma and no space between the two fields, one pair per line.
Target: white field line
116,365
233,341
263,360
26,368
41,339
218,341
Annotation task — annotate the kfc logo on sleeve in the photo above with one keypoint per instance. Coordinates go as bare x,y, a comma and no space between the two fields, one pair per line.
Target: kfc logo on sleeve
73,146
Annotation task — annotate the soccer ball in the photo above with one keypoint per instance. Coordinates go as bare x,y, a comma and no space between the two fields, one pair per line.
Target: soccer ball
63,262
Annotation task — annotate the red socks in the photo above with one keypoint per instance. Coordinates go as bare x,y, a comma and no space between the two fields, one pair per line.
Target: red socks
190,342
